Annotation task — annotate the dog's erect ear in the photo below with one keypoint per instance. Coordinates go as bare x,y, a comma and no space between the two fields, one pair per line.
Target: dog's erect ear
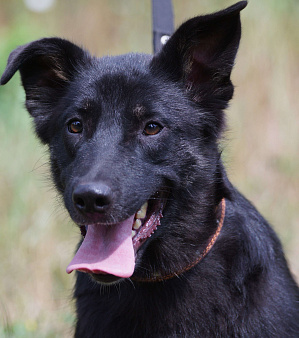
47,66
201,53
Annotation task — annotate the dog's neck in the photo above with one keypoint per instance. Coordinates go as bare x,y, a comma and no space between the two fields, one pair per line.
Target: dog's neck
159,277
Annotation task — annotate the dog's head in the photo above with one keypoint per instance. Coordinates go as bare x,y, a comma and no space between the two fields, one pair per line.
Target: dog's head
133,138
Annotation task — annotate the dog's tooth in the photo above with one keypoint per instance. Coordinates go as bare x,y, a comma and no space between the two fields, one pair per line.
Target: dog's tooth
137,224
142,211
133,233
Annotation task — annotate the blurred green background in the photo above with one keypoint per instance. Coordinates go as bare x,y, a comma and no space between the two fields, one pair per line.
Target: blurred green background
261,146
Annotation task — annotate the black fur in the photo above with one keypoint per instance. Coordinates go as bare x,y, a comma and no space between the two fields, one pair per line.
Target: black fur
243,287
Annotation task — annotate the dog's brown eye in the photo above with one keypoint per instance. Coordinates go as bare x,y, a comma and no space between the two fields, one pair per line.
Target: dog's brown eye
152,128
75,127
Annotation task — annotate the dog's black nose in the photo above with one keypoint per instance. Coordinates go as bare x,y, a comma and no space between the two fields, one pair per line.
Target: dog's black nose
92,197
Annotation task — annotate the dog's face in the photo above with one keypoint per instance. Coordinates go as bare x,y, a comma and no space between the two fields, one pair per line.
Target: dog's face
112,132
133,138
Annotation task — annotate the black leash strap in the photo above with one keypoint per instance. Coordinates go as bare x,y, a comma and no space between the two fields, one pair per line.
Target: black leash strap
163,25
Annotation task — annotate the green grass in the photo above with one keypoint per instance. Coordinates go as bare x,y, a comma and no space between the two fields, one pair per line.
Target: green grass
37,239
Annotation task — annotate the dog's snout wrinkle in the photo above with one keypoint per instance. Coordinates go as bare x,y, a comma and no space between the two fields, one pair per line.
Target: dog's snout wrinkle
92,197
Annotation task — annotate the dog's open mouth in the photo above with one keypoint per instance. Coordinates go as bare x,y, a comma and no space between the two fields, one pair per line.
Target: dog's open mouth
109,251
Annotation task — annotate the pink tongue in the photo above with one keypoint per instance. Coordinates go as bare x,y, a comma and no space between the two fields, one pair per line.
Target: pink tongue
107,249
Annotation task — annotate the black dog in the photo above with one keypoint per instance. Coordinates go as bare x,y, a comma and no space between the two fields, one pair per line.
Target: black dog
171,248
